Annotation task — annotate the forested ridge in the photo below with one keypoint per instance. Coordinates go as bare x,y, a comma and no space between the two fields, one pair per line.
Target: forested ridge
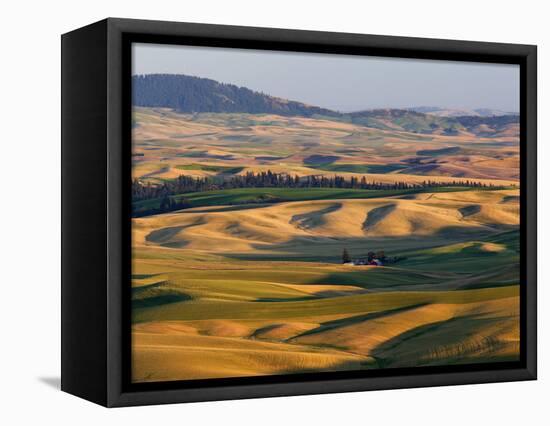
193,94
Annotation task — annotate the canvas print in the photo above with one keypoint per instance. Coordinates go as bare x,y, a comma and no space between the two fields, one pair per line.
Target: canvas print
304,213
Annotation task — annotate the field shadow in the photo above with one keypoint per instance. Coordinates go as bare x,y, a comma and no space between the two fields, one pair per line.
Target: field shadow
330,325
427,344
315,218
350,365
377,214
469,210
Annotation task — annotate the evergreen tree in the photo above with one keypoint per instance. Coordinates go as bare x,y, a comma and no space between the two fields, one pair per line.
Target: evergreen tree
346,258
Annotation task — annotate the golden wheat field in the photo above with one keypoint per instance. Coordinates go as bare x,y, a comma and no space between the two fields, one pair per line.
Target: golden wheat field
252,281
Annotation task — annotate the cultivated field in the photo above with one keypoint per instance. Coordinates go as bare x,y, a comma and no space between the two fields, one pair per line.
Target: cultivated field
250,281
168,144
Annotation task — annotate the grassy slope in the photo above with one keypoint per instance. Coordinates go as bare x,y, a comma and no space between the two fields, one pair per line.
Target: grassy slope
267,195
206,314
277,302
225,327
364,303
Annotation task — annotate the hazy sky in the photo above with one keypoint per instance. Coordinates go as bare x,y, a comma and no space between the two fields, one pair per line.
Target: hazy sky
341,82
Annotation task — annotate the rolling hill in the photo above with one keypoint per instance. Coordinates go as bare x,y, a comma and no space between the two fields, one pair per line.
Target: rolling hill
238,265
418,122
227,291
455,112
188,94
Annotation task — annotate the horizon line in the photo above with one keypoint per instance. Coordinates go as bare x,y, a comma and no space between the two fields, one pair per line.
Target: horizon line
351,111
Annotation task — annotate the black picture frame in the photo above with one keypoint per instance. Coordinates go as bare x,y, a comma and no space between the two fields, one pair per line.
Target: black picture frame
96,227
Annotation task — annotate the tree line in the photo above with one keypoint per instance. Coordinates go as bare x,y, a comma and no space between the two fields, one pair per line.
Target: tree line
267,179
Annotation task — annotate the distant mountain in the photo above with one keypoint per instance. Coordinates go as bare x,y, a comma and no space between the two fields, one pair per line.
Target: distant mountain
193,94
189,94
452,112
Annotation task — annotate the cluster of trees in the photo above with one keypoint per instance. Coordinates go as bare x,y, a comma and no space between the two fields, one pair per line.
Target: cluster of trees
185,184
371,256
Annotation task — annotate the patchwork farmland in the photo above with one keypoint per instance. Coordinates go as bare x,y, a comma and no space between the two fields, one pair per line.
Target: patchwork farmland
250,281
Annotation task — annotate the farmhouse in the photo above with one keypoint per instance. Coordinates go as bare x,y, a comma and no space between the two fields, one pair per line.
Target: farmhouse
365,262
